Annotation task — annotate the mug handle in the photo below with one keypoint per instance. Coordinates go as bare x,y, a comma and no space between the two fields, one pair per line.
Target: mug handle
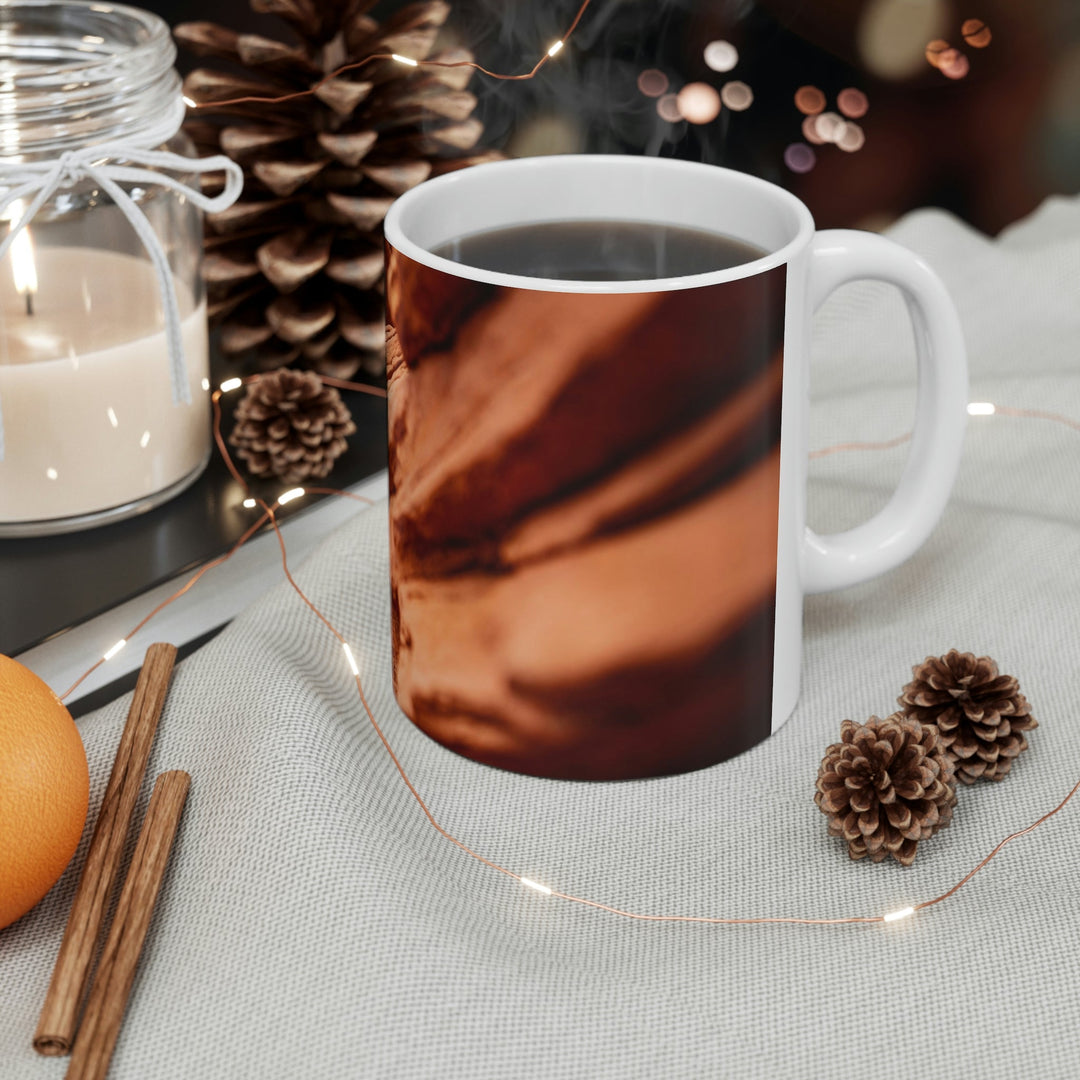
897,531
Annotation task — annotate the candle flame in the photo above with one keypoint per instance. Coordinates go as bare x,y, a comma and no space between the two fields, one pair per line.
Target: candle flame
23,266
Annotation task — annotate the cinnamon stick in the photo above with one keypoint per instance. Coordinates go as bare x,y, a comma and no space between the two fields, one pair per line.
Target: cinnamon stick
60,1013
120,957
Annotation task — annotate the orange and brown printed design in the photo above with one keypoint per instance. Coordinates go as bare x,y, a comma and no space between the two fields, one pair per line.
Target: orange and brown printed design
583,520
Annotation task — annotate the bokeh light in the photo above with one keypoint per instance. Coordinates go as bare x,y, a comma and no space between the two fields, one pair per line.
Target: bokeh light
852,103
934,49
953,64
736,96
976,33
698,102
652,83
799,158
809,131
668,108
829,126
809,100
721,55
892,34
852,138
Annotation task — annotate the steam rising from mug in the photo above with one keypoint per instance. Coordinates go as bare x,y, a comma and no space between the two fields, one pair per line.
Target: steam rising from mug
589,100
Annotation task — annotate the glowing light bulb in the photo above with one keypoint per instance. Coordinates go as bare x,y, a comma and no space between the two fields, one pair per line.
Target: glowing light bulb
891,35
721,55
895,916
799,158
668,108
249,504
829,126
144,439
206,384
405,60
189,103
115,649
953,64
556,46
809,100
288,496
652,83
853,103
530,884
352,659
981,408
851,137
976,33
231,384
736,96
698,102
809,130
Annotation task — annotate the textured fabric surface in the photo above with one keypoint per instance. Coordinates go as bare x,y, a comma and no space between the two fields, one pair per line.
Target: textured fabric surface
313,924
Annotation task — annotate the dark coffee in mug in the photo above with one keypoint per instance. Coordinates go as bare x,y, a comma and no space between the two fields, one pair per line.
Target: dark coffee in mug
599,250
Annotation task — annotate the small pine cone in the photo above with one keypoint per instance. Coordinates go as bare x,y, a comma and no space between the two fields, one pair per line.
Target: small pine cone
885,786
290,426
981,714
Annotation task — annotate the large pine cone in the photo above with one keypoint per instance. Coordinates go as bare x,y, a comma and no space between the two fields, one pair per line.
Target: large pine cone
289,425
981,714
885,786
294,270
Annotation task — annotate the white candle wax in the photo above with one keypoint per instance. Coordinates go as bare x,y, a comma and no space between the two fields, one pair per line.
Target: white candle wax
89,421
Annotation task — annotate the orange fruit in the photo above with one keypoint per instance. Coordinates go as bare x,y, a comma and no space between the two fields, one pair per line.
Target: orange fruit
44,789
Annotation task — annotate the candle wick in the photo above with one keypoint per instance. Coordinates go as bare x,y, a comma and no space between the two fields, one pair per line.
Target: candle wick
29,302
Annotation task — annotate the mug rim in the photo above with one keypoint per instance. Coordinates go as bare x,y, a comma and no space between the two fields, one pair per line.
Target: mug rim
395,231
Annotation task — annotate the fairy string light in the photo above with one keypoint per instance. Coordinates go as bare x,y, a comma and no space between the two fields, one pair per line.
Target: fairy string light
975,408
269,516
190,584
553,50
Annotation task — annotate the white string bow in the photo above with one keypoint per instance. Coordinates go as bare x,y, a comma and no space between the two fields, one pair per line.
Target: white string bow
39,181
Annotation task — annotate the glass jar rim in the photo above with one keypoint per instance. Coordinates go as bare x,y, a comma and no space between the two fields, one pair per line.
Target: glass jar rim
78,72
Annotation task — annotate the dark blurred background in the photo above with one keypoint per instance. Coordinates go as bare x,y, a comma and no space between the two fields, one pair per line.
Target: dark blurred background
987,132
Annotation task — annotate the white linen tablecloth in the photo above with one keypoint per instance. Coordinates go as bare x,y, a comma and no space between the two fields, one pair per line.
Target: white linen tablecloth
313,924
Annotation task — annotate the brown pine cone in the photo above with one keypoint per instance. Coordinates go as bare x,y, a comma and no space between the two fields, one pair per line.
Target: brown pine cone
981,714
289,425
885,786
294,270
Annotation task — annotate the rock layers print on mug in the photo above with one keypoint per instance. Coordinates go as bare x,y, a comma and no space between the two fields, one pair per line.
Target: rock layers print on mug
583,504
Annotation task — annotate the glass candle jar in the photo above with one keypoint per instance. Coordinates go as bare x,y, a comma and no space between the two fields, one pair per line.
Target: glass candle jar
104,393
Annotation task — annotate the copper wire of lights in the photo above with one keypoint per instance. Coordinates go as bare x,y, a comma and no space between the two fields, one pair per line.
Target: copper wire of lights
269,516
554,49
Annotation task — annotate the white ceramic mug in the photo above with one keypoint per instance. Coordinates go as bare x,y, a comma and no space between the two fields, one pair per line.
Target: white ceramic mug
599,547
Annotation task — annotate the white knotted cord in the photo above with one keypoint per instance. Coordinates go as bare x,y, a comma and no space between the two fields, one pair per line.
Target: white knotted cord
38,181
